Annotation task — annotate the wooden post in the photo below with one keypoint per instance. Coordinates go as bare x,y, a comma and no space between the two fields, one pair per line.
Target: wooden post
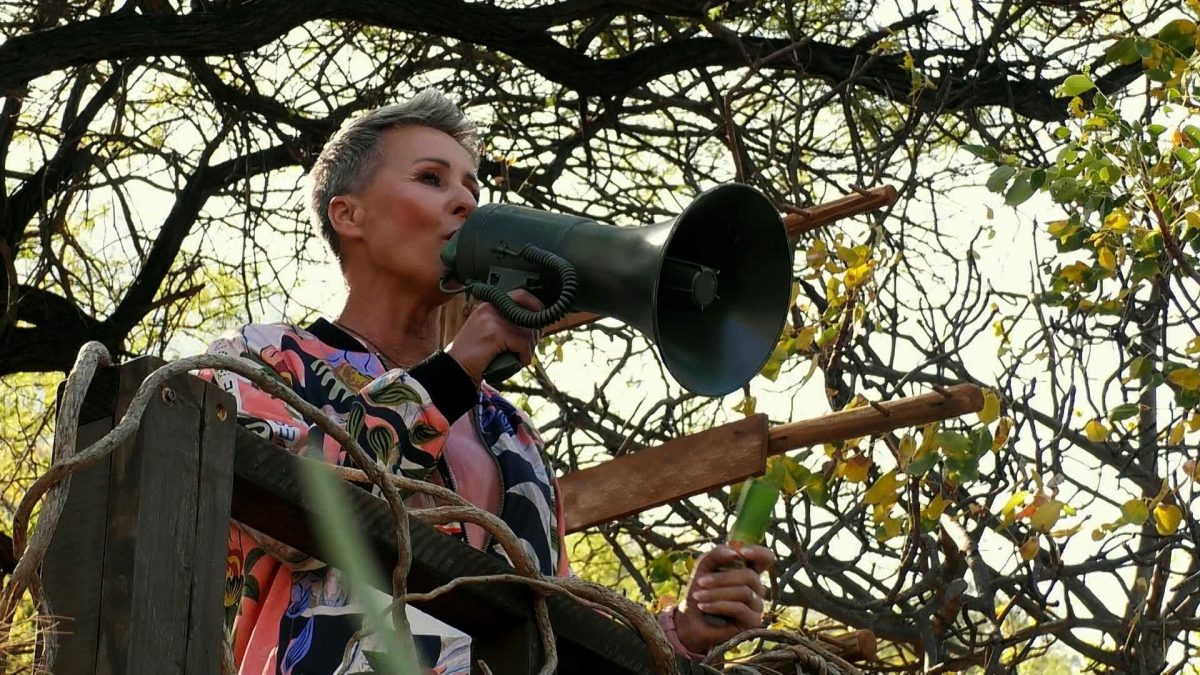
135,571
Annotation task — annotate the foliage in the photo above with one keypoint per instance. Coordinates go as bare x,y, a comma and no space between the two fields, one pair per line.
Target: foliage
151,198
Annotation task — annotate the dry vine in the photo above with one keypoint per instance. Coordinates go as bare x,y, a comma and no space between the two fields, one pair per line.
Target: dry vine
55,482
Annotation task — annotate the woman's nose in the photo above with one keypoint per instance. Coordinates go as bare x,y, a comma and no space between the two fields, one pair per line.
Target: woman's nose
464,202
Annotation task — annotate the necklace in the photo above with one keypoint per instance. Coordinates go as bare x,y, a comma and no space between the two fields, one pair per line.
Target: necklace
387,363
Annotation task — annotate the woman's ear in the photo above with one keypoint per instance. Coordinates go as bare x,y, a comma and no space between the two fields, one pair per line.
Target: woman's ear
345,215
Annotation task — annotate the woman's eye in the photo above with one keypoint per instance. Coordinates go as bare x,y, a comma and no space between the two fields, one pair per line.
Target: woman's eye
431,178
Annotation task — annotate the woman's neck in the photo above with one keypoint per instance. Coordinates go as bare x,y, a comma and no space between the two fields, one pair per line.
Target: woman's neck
404,328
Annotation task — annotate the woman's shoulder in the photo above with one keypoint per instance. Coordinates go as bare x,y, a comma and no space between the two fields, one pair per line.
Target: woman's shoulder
280,335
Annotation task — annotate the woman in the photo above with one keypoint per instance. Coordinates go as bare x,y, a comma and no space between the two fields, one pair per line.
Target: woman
388,191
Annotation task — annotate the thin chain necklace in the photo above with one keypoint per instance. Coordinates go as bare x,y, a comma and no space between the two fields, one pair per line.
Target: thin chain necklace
387,363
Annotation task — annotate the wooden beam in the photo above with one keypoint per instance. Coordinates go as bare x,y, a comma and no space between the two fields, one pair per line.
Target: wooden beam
680,468
732,452
798,222
871,420
269,495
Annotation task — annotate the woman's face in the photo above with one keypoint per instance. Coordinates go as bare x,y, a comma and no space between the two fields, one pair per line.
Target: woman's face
421,192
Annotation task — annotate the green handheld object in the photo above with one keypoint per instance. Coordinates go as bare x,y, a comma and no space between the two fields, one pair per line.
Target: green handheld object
754,509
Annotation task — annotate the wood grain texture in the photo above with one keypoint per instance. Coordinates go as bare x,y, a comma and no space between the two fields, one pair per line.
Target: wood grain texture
888,416
73,569
727,454
655,476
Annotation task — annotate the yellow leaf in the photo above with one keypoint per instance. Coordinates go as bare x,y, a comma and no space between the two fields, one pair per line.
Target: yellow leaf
1117,221
1013,502
804,338
1186,378
1030,548
816,254
1058,227
856,276
1167,518
1046,516
855,469
1106,259
936,507
746,406
1096,431
883,491
1074,272
1192,470
1076,107
991,407
1135,511
1176,435
908,448
1002,431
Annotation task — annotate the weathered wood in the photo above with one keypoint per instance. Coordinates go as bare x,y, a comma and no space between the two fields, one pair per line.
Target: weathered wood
677,469
74,564
149,544
509,648
269,496
688,466
214,493
877,419
802,221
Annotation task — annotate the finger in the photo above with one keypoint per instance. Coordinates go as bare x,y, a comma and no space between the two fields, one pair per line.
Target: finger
718,557
744,594
731,578
760,558
740,614
526,299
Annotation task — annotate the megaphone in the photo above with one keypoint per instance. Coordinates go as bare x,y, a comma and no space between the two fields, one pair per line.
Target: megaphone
710,287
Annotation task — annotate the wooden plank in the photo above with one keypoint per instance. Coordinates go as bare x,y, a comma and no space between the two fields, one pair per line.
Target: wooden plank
724,455
677,469
269,497
877,419
206,618
802,221
512,648
72,571
148,563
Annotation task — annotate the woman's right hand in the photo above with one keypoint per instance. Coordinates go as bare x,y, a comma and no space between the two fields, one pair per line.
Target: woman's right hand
486,334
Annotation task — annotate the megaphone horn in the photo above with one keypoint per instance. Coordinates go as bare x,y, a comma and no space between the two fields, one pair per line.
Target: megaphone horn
709,287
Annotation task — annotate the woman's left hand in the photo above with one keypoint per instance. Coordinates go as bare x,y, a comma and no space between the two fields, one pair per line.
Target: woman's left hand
735,593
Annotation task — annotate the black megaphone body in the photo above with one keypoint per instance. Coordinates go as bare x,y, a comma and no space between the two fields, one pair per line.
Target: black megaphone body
709,287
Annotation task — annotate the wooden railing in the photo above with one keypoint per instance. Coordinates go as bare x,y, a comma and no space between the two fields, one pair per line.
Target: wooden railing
136,571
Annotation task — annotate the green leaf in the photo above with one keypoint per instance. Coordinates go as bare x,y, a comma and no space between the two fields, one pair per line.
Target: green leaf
982,151
1063,190
1020,191
1180,34
1124,412
1123,51
1000,177
1075,85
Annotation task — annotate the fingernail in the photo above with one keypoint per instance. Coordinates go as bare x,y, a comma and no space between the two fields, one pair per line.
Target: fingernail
703,606
700,596
705,581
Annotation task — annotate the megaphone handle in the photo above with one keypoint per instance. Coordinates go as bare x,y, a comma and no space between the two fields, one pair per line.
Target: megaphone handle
501,368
